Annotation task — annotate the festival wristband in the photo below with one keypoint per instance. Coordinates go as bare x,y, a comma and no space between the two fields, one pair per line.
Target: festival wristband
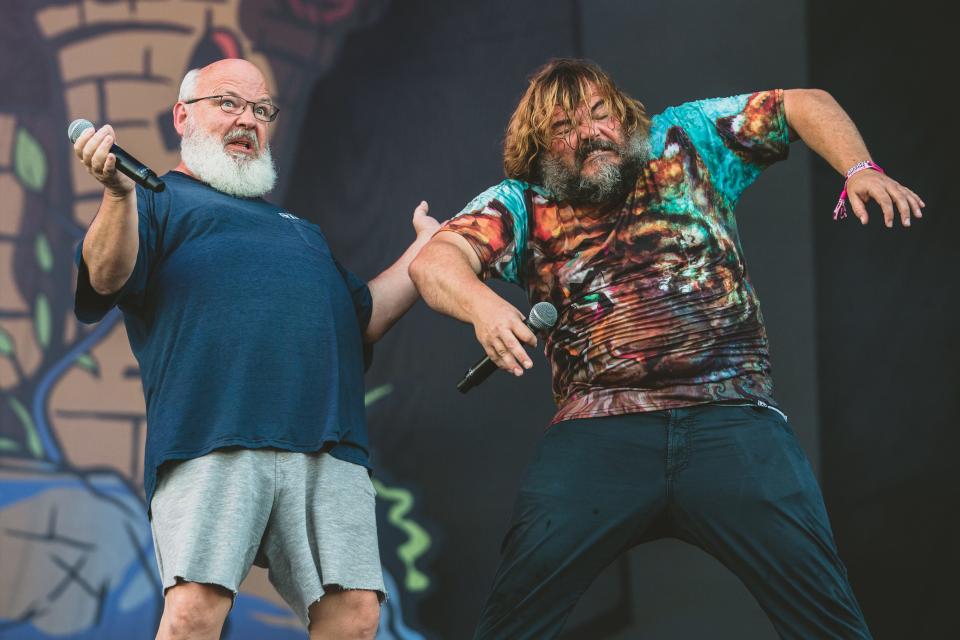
840,211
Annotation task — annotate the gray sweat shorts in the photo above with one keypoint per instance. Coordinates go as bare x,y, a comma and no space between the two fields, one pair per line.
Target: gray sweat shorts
308,517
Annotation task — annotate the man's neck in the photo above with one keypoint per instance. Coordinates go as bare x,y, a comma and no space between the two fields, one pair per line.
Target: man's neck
182,168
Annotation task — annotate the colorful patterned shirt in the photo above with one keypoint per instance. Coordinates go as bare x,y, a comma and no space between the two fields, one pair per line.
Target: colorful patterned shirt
655,307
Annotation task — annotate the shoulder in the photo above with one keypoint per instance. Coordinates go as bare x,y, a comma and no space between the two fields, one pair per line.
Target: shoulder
511,194
700,119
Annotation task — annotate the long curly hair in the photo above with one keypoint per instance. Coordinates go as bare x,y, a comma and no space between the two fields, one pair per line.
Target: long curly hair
564,83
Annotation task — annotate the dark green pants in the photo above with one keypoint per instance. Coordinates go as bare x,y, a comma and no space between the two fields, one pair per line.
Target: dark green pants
731,480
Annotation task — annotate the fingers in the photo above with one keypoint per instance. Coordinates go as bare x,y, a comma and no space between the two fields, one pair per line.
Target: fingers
99,158
82,140
92,147
886,205
916,203
907,202
503,344
509,355
422,222
524,334
514,357
894,199
92,141
110,165
858,206
903,206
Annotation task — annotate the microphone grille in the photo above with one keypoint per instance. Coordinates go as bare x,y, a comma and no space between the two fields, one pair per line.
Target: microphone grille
543,315
77,127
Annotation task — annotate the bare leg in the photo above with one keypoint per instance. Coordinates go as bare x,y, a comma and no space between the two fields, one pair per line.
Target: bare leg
194,611
345,614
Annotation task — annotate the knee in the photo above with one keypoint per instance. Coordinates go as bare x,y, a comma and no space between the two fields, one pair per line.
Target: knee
365,615
194,610
349,614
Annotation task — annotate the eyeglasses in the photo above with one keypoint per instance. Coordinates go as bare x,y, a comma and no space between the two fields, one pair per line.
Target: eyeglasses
236,105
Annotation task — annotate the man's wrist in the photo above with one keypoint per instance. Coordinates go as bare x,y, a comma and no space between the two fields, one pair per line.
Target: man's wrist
840,211
116,195
861,166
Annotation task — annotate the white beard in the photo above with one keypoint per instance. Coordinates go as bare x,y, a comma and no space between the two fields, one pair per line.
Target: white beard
235,175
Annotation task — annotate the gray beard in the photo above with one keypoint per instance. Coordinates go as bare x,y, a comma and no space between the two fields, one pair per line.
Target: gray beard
607,186
240,176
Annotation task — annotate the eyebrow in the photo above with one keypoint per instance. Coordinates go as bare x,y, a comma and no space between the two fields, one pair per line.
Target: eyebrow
266,99
599,103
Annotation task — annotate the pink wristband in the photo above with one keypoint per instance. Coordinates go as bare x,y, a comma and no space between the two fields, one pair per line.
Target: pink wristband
840,211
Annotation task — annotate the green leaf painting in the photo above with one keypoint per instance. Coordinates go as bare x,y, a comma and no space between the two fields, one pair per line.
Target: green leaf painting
6,343
29,161
33,440
88,363
44,253
42,320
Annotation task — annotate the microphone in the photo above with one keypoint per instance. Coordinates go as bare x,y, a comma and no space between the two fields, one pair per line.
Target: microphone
126,163
542,316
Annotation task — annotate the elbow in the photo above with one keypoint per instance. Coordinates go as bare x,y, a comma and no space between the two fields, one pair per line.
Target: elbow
377,328
103,284
107,275
418,271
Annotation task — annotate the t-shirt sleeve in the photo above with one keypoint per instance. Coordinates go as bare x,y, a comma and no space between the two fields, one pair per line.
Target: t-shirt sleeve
359,293
737,137
90,306
362,306
495,225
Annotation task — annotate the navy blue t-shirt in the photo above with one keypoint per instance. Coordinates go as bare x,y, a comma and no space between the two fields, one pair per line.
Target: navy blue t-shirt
247,330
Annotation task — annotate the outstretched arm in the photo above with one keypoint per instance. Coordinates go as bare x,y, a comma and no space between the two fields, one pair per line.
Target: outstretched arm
446,273
392,292
816,118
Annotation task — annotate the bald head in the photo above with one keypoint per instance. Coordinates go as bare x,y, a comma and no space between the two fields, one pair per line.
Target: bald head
200,82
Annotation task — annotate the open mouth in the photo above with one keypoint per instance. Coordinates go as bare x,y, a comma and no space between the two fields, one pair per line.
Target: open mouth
599,153
240,145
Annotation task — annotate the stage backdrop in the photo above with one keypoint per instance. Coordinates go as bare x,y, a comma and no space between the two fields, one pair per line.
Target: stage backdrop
384,103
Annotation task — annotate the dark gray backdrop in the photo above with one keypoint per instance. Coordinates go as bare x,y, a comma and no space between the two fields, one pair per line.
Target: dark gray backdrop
887,320
415,109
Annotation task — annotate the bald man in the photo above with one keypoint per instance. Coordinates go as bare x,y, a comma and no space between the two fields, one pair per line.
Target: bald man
251,340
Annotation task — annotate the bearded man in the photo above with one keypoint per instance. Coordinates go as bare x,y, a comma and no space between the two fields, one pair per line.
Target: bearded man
250,338
667,423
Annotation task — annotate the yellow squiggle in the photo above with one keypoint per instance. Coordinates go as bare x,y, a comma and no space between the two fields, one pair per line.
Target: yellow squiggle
418,540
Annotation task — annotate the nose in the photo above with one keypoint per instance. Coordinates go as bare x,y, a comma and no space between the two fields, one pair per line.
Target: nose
588,129
245,118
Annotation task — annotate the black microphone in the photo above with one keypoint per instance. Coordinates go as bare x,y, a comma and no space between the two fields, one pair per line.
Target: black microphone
542,316
126,163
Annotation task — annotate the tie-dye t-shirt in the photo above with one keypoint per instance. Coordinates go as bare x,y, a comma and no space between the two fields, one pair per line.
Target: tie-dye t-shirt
655,307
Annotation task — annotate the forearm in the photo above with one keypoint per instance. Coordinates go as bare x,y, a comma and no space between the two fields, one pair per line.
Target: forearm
825,127
112,241
393,292
448,282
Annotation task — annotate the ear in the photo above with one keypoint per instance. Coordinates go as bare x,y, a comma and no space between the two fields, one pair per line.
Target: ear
179,117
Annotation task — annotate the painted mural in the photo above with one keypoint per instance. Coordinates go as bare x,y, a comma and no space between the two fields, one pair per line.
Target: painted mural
76,556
